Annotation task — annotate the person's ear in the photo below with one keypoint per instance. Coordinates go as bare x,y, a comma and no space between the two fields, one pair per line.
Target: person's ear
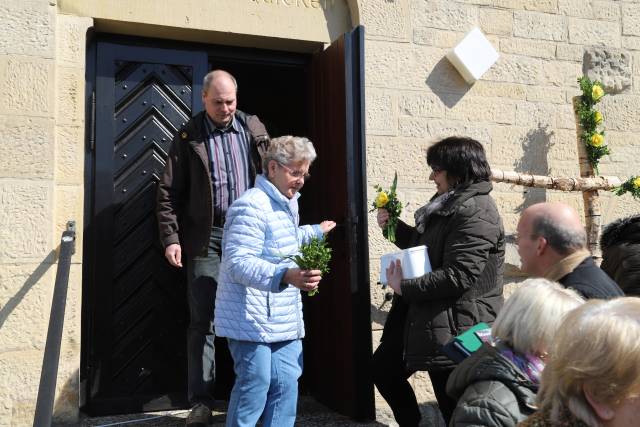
271,168
541,243
604,411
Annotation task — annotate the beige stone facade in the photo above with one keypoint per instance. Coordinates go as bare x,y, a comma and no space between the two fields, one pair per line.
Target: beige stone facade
520,110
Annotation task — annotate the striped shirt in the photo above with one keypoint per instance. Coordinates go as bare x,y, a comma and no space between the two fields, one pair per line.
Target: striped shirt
228,150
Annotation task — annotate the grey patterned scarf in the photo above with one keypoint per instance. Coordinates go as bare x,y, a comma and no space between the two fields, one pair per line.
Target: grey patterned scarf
434,205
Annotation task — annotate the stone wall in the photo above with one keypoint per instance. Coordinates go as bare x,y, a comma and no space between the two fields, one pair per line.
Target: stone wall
42,63
520,109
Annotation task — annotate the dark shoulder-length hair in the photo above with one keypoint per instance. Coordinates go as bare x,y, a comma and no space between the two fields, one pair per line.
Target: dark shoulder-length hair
462,158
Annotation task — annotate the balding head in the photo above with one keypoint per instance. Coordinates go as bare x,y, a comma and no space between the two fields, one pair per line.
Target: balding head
559,224
548,232
219,92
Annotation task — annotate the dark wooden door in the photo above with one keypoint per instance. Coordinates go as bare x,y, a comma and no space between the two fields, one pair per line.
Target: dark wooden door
137,314
338,320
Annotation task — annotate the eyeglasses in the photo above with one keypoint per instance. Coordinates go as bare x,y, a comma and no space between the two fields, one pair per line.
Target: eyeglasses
296,173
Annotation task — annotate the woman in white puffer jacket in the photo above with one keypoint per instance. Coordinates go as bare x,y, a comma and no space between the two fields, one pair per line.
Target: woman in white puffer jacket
258,302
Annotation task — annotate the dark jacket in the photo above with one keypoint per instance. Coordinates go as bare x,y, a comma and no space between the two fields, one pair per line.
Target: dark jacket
490,390
620,245
185,193
465,241
591,282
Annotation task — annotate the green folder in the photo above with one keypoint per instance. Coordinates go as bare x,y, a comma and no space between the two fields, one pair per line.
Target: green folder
468,340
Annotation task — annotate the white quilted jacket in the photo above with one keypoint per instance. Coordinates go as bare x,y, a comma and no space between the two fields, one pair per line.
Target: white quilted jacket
251,303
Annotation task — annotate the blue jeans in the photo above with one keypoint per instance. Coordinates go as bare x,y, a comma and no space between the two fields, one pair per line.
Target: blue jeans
266,383
202,282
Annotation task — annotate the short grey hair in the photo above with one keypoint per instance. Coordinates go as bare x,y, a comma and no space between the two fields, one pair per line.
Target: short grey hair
562,239
532,314
208,78
287,149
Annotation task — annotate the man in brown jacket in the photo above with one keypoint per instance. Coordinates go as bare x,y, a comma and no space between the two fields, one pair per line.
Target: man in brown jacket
213,159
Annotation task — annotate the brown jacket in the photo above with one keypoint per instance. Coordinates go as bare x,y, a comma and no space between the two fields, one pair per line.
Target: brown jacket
185,197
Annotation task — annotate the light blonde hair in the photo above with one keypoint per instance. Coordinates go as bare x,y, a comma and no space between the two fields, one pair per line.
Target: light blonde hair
287,149
599,347
531,316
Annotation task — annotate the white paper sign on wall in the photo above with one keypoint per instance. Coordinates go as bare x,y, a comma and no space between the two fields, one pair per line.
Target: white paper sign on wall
473,56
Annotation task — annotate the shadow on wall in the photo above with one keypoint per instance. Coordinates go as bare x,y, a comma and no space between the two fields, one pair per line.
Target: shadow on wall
536,145
33,278
445,81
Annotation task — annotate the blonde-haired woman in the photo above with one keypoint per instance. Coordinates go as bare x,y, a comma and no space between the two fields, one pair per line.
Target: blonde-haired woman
593,376
496,386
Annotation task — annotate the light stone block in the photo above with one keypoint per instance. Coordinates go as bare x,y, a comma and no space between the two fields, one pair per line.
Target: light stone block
611,67
566,118
386,20
489,110
489,89
70,96
383,59
564,146
436,38
20,373
407,156
622,112
569,52
534,25
438,129
444,15
27,147
601,10
25,297
28,28
71,35
592,32
526,47
420,104
516,69
414,127
382,112
545,94
536,114
69,155
631,42
561,73
496,21
27,86
631,19
25,221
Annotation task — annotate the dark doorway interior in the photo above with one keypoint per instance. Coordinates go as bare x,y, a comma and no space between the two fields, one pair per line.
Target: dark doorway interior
315,95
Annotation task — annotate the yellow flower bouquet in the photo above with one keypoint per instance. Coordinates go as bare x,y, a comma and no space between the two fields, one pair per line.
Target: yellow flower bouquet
632,186
388,200
591,119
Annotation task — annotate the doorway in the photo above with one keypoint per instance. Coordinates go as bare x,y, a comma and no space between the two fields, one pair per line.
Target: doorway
134,305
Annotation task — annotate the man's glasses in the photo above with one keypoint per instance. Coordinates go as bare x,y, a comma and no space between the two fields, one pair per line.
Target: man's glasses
296,173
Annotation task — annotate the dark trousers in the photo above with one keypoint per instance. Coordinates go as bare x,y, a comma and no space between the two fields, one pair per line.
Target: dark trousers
390,376
202,282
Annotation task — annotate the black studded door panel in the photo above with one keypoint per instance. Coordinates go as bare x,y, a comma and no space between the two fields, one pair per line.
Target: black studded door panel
135,357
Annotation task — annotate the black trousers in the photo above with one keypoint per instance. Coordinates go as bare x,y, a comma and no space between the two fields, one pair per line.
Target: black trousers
391,378
202,282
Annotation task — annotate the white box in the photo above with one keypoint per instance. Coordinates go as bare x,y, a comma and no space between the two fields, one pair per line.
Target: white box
473,56
415,263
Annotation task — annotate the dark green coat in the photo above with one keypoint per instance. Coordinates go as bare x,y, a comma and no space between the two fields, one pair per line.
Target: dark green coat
465,240
491,391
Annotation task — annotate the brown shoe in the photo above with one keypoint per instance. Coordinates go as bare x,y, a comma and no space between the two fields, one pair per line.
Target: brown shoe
200,416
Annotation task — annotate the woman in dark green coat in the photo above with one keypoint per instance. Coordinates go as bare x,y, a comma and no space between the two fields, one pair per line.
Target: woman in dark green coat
463,231
496,386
